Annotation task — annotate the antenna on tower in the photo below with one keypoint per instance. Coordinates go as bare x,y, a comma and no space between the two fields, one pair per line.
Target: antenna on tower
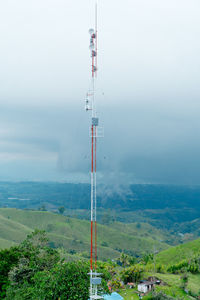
95,132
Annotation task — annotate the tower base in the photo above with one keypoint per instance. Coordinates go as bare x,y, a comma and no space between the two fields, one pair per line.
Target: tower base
95,281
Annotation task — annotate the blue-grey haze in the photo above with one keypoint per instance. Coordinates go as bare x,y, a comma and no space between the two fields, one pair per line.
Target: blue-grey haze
148,90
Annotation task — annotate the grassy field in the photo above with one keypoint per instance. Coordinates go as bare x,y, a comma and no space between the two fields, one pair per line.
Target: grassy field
74,235
129,294
194,283
173,284
178,253
6,244
172,287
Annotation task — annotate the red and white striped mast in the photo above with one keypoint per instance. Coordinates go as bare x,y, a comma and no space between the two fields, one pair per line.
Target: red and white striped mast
95,131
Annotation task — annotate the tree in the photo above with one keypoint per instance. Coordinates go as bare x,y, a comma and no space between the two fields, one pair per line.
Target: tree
40,274
35,256
132,274
64,281
61,210
124,259
42,208
8,259
106,218
147,257
138,225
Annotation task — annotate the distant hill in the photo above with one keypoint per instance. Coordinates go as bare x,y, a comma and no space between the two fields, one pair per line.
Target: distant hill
175,254
74,235
77,196
167,207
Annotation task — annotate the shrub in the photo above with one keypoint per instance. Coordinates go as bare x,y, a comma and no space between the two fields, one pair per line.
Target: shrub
191,266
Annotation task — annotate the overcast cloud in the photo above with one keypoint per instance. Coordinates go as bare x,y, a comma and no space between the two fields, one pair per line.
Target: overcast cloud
148,90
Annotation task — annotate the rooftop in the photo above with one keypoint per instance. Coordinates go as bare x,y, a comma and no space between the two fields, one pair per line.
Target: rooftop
147,282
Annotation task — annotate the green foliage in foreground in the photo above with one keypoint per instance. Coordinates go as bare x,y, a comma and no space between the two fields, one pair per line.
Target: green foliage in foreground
34,270
8,259
64,281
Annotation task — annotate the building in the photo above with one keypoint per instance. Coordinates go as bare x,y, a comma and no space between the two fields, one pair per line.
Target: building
145,286
130,285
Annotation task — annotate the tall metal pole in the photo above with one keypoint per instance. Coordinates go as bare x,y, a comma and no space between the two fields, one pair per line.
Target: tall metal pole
95,178
95,279
95,197
92,200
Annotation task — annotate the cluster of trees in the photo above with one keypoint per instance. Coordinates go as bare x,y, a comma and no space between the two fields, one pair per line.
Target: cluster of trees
132,274
126,260
34,269
192,265
131,271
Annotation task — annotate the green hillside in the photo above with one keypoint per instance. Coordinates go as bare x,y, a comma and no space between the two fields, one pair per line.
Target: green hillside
172,287
74,235
178,283
4,244
175,254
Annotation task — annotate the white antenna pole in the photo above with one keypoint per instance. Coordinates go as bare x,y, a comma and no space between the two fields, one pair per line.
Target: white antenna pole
95,279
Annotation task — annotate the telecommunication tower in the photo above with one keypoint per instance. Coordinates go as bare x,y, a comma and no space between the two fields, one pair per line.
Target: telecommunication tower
95,132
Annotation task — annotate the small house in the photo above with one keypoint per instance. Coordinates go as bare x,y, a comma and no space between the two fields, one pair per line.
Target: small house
130,285
145,286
